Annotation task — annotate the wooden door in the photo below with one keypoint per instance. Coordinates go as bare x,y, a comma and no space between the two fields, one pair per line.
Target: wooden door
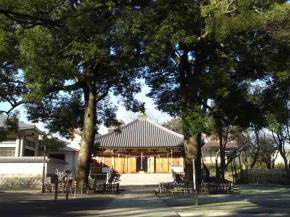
131,164
162,165
107,162
177,161
120,164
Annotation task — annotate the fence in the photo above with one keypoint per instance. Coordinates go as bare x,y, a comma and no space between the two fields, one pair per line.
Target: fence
263,176
204,188
107,188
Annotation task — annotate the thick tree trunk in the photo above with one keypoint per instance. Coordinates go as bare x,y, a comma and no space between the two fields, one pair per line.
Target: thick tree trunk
88,137
268,164
192,150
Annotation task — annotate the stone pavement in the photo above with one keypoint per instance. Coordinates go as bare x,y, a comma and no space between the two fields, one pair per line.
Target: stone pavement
248,200
137,201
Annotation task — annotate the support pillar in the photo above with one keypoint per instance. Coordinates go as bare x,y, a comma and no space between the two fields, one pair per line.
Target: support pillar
17,148
21,150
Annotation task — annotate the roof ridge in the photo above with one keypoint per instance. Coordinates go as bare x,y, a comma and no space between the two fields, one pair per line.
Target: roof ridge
121,127
165,129
140,119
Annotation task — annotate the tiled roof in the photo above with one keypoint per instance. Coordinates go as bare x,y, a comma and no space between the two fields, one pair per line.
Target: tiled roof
141,133
215,144
21,124
38,159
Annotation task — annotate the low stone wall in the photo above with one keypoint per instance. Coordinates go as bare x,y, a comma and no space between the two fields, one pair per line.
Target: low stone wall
264,176
20,182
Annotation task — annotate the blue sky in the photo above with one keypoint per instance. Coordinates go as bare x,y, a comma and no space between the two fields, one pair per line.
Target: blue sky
122,114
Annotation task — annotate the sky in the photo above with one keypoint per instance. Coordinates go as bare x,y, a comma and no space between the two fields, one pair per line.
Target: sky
122,114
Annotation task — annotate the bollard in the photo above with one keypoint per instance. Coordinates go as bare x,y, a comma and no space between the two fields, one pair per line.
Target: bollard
196,197
56,190
75,187
67,189
118,187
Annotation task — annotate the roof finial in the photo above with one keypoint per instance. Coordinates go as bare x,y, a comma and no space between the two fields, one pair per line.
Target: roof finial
142,116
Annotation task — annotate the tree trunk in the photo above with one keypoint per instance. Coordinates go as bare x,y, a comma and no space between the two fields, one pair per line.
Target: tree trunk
88,137
285,160
192,150
258,149
219,127
223,163
240,162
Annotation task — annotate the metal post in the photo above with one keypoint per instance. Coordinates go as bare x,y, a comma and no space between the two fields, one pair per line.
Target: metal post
194,181
67,189
193,174
43,170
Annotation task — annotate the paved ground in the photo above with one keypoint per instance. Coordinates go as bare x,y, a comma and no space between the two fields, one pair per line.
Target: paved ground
246,201
34,204
140,201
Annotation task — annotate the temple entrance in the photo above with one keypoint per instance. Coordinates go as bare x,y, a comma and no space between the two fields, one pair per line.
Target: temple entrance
142,164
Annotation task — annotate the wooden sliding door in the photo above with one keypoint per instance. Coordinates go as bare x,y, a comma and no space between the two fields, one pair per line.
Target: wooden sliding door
162,165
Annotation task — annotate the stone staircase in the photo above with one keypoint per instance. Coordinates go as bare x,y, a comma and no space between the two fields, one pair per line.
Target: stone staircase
144,179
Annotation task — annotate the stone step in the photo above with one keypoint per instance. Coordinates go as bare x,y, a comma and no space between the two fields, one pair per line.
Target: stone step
145,179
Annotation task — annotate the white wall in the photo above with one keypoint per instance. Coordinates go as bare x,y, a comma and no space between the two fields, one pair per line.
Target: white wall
30,168
21,168
70,158
8,144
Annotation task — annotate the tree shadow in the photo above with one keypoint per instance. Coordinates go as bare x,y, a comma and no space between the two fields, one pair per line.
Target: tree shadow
24,204
249,200
129,203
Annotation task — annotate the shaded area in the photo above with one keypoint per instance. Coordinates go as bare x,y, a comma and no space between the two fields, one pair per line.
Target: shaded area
252,200
31,204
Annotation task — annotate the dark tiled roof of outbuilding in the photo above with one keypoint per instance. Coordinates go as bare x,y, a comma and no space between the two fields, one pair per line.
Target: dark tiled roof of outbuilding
141,133
21,124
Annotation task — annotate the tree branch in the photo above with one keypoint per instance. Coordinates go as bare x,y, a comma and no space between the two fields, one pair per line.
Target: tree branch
105,91
29,19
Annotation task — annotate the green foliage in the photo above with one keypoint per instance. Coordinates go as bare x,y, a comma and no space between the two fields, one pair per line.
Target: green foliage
175,125
51,144
10,124
210,54
195,121
11,81
63,47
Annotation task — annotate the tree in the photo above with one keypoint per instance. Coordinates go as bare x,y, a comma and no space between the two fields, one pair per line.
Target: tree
174,124
268,152
12,84
199,52
72,56
278,134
